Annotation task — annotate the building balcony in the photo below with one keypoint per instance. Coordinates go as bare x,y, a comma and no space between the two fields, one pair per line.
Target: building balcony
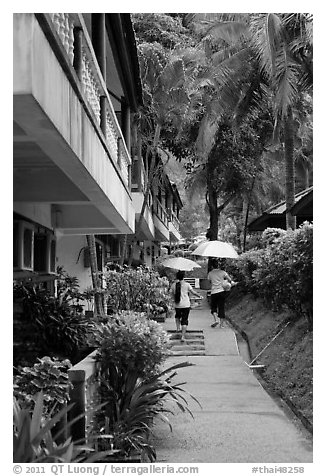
138,187
69,151
147,229
161,222
174,227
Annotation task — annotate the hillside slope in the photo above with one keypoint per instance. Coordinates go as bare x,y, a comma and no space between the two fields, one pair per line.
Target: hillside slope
288,360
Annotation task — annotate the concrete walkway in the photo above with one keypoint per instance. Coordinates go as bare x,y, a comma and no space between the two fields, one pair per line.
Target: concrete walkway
238,422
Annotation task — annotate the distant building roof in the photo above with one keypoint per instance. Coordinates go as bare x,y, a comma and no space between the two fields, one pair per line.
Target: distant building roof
304,205
275,216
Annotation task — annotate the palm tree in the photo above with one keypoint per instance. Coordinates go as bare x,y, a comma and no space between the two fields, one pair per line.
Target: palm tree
229,67
96,280
258,53
167,101
284,45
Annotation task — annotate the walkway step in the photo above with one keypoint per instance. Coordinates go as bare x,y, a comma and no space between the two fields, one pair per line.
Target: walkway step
178,353
193,345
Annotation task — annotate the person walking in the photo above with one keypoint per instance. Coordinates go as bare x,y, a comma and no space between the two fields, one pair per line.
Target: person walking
220,285
180,291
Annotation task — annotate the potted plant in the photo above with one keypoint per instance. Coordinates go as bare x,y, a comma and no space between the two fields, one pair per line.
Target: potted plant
88,296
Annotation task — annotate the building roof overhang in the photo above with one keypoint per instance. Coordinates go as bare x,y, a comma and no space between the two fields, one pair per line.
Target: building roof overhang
275,216
123,42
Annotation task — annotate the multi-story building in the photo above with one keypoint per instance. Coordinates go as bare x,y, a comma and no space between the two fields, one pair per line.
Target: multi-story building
76,88
160,220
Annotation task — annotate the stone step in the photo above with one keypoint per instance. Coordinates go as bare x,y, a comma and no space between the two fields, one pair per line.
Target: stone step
178,353
193,345
198,337
187,348
188,342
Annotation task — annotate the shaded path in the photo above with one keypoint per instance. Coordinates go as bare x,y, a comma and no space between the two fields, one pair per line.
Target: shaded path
239,421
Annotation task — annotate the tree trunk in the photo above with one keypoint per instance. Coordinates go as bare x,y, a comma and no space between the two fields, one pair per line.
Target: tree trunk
289,169
123,251
98,299
247,214
212,232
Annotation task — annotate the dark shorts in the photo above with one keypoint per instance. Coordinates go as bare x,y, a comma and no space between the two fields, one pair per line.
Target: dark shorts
218,302
182,314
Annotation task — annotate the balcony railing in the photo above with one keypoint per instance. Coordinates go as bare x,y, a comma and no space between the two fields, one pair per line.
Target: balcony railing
139,182
161,212
174,220
139,176
73,35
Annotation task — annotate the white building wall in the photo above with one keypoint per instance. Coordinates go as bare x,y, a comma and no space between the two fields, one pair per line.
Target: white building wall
148,257
40,213
68,250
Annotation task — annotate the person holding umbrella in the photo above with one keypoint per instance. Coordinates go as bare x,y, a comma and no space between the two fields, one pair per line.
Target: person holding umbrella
180,291
220,281
220,284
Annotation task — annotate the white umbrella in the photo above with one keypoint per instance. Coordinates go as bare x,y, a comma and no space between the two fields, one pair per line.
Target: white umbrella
181,264
216,249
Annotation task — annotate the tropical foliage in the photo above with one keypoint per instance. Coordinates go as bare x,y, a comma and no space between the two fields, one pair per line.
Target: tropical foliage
58,324
48,324
133,343
33,441
239,69
134,404
49,376
282,271
263,59
133,388
140,290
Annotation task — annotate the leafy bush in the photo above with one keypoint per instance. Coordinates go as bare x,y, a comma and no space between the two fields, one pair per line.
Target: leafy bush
49,376
287,274
135,343
132,387
55,323
243,268
270,235
138,290
282,272
133,402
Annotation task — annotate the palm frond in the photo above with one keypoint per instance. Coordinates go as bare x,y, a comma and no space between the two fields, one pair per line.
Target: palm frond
286,80
230,32
273,36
